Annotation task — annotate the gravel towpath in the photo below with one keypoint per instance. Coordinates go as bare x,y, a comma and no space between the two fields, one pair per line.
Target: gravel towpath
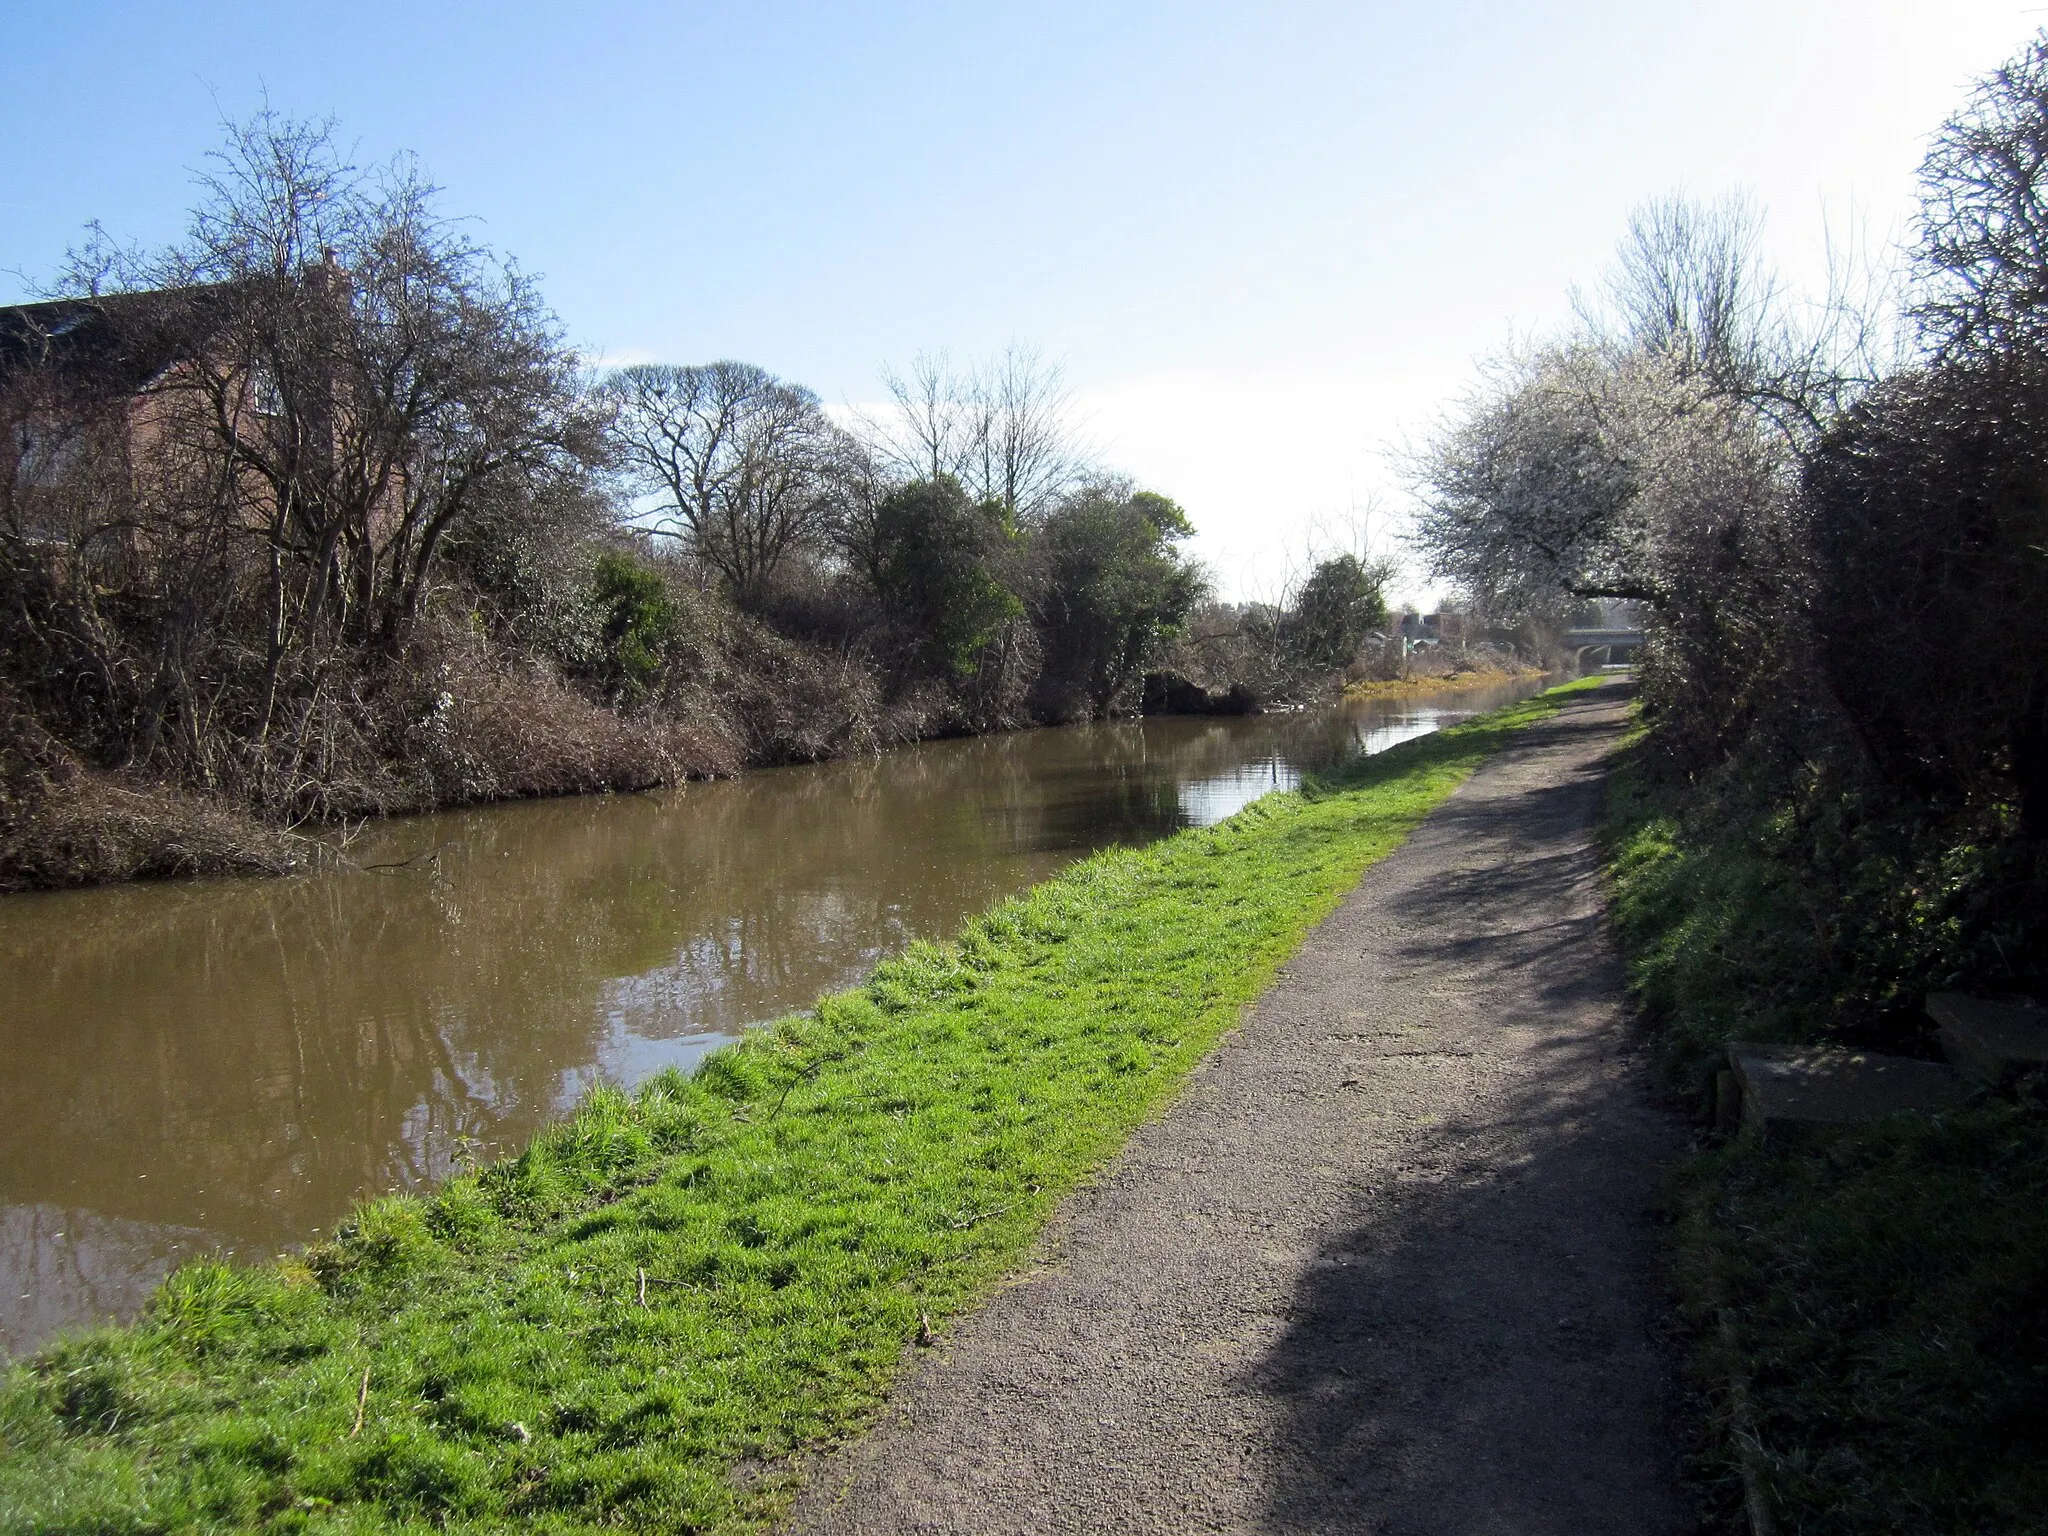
1386,1266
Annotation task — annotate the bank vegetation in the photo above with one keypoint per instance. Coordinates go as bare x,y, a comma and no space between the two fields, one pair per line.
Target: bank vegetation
315,515
1831,516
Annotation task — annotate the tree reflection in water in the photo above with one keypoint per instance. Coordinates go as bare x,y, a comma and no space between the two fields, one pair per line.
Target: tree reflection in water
228,1064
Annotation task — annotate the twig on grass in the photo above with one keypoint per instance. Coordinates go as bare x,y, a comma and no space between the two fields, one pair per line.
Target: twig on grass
789,1087
979,1216
362,1402
809,1074
962,1226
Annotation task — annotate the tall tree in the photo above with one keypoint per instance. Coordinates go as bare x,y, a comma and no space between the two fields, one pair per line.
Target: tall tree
1342,601
1111,587
1002,428
741,463
940,561
1983,249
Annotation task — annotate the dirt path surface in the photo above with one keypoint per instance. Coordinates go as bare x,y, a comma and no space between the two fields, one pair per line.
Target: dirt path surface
1387,1266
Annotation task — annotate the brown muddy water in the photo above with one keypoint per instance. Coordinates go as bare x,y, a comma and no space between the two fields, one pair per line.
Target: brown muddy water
225,1065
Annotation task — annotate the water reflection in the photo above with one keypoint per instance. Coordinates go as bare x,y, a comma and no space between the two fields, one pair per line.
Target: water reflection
228,1064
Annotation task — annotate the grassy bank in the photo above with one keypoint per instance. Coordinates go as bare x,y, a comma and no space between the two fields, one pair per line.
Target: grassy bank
1871,1313
641,1319
1437,682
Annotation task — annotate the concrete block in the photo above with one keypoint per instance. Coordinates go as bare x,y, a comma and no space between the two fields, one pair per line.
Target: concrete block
1789,1090
1727,1101
1993,1043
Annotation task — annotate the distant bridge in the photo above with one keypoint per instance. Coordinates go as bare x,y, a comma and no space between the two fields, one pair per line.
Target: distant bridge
1620,645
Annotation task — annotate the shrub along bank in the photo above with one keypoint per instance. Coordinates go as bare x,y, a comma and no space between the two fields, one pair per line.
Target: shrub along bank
642,1318
1871,1312
495,577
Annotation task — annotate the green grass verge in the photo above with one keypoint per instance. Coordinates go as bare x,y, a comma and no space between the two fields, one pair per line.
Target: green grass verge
1882,1297
491,1353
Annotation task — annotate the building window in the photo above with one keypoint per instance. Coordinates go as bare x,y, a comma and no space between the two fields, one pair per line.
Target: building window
265,398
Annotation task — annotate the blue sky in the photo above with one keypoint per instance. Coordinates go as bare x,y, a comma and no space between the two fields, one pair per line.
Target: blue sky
1268,241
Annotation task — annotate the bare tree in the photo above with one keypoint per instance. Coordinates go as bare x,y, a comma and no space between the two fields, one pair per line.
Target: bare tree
311,393
1690,285
1983,257
1687,281
1002,428
932,432
1025,452
742,463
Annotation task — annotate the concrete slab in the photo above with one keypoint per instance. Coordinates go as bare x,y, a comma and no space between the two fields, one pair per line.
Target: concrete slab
1991,1043
1788,1090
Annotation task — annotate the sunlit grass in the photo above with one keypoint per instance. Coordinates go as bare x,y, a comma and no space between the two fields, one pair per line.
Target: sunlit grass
639,1320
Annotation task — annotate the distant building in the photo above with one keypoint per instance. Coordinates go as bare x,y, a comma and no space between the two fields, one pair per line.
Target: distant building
1419,630
160,385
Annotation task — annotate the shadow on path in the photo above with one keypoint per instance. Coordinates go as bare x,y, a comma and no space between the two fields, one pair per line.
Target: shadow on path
1469,1347
1387,1264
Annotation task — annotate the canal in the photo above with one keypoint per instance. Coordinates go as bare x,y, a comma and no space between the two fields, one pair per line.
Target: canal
223,1066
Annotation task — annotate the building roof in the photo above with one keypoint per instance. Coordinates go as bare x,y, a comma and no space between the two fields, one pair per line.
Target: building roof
114,342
